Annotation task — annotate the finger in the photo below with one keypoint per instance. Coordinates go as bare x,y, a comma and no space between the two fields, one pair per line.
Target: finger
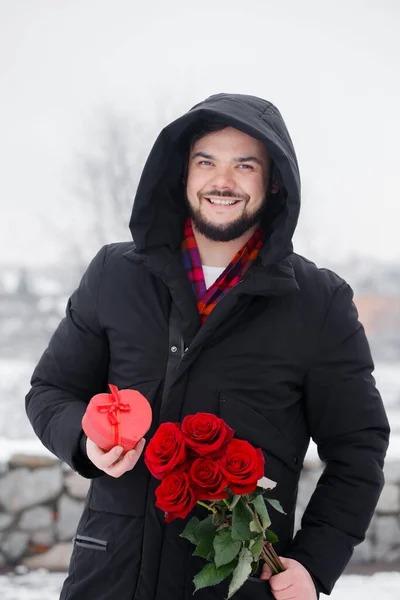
266,572
102,458
118,451
287,594
107,459
127,462
286,561
138,449
140,446
123,465
282,581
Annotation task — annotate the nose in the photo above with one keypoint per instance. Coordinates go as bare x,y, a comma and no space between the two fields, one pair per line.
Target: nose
222,179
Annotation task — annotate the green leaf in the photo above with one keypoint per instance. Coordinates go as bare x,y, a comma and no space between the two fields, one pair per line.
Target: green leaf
259,490
223,525
204,534
211,575
260,506
188,532
256,547
242,571
204,549
276,505
235,500
226,549
255,526
254,567
271,536
204,527
241,519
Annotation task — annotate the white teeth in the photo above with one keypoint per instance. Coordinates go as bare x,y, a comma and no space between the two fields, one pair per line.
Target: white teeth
225,202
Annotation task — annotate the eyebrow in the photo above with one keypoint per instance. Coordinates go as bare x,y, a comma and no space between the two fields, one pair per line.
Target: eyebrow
239,159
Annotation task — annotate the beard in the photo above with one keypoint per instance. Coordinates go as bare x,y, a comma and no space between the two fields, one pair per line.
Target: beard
229,231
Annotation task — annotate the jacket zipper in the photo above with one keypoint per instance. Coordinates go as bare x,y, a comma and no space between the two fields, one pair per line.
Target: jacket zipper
89,542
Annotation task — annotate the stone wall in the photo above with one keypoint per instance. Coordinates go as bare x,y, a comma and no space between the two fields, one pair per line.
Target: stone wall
41,500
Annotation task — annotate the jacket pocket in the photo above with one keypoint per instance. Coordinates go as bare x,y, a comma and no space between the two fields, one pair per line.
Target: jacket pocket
257,429
252,589
256,589
126,495
105,559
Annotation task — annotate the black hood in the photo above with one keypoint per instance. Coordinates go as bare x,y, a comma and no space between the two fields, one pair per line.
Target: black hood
159,209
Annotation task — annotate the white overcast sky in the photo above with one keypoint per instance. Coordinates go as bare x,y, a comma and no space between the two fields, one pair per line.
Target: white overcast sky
332,68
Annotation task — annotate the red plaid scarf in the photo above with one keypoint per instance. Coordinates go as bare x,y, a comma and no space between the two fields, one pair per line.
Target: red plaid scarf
234,272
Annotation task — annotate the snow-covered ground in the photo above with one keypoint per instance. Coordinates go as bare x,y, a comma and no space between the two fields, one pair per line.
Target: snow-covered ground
35,585
41,585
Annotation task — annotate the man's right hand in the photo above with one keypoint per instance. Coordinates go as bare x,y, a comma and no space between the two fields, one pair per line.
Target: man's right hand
112,462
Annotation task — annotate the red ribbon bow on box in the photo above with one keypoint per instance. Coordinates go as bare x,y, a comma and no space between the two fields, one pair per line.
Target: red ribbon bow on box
113,409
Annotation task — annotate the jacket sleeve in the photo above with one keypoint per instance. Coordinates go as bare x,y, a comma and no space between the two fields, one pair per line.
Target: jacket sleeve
347,421
72,369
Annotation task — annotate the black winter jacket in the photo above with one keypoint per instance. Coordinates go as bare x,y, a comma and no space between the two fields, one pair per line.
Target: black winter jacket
281,358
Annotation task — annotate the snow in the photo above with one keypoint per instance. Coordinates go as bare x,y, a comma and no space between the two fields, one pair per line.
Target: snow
9,448
384,586
42,585
35,585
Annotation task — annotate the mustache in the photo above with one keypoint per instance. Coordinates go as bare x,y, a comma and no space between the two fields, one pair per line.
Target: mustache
224,194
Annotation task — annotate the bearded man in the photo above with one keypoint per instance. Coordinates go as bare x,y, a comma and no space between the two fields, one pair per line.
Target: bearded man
210,310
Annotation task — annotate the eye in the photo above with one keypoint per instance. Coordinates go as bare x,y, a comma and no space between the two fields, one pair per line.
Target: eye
202,162
246,166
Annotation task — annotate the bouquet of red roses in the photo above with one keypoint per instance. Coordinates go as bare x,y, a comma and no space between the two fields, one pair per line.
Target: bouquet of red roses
200,462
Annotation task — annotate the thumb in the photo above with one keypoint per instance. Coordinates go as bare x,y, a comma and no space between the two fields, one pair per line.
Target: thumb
286,562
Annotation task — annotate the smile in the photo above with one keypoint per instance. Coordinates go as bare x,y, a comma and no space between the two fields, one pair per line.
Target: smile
222,201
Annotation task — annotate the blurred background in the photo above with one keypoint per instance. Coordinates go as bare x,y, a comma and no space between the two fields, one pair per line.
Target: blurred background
87,85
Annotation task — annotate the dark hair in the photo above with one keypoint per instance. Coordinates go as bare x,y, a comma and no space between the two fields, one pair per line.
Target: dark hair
201,129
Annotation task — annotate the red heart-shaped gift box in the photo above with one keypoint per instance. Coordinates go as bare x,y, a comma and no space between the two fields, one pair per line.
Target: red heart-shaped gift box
118,419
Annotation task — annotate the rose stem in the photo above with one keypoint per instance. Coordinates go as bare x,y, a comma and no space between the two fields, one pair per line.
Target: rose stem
266,559
207,506
269,552
276,557
269,559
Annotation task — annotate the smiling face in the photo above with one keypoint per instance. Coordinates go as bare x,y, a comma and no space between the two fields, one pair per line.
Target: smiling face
228,174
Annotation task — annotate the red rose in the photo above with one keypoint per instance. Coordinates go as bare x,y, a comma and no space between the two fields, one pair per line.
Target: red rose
175,496
205,433
243,466
166,450
208,479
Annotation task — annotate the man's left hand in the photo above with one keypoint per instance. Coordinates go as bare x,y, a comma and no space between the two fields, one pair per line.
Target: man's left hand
293,584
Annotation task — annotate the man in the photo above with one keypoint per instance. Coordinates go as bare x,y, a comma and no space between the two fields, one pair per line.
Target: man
210,310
